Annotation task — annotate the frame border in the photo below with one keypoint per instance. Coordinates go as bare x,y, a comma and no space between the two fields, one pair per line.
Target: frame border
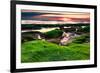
13,36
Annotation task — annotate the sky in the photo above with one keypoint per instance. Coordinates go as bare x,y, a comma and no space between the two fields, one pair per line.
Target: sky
53,17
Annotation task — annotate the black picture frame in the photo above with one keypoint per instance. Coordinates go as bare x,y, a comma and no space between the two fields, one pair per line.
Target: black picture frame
13,35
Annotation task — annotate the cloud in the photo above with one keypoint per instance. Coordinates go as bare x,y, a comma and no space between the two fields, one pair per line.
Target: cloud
31,17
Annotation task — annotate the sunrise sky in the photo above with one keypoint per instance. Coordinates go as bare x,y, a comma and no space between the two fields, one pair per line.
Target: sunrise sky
53,17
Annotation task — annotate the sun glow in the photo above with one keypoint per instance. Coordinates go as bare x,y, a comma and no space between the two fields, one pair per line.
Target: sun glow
65,19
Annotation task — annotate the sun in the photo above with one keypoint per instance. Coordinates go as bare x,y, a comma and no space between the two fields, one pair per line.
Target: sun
65,19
